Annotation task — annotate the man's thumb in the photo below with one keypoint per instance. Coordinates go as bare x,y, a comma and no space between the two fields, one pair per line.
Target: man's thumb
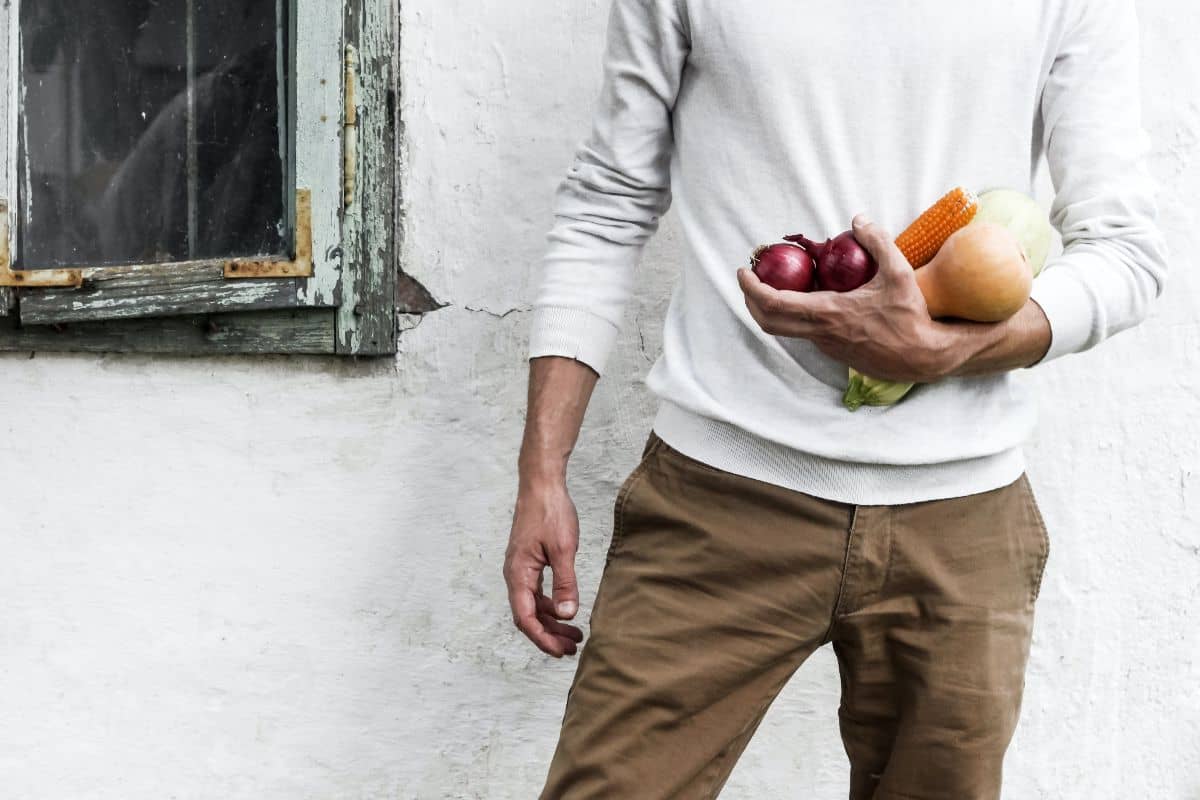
565,592
876,241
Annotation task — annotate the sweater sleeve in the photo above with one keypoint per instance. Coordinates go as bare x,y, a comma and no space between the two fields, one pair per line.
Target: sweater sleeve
617,188
1113,263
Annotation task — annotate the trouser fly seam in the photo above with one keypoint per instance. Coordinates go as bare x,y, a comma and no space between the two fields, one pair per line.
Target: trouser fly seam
841,590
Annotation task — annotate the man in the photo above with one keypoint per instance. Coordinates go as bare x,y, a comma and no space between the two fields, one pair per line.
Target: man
765,520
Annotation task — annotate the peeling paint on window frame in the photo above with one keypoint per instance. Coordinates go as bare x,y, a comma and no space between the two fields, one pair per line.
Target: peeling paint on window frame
353,250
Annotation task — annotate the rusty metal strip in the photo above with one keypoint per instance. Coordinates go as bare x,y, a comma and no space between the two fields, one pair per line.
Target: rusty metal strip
299,267
29,277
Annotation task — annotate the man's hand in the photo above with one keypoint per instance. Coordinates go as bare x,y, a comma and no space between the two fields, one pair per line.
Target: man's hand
545,529
545,533
882,329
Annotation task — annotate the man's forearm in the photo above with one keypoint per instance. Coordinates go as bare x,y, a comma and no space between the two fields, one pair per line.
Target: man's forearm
986,348
559,391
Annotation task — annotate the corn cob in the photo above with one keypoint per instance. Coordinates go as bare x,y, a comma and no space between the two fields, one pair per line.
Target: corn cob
921,241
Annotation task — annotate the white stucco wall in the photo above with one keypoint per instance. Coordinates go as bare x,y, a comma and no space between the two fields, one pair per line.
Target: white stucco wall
272,578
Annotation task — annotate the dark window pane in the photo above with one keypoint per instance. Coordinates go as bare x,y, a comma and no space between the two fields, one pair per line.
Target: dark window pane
151,131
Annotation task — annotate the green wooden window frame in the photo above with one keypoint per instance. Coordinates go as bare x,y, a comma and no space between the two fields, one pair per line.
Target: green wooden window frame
342,302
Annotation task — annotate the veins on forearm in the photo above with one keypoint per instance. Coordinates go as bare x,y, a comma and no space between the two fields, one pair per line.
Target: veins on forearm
981,348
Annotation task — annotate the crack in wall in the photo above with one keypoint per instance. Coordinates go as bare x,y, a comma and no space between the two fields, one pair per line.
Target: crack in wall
499,314
642,341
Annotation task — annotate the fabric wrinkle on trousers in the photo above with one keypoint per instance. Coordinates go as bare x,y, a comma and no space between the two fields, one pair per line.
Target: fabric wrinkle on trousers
716,588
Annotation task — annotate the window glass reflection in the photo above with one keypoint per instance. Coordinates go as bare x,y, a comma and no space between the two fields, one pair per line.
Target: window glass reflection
151,131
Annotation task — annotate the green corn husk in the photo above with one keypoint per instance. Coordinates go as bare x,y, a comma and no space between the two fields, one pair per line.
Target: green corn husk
865,391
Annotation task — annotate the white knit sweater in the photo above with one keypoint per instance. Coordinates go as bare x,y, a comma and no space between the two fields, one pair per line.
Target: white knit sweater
769,117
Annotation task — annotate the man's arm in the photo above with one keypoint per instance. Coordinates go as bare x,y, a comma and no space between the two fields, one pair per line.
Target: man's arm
606,209
559,391
545,529
617,188
981,348
1114,260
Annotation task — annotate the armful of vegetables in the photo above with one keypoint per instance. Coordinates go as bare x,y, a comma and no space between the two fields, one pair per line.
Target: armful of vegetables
975,259
976,273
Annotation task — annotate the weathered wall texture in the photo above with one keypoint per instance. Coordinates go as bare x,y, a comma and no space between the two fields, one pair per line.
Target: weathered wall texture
275,579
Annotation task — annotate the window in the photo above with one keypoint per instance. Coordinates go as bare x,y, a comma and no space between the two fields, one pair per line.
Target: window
198,176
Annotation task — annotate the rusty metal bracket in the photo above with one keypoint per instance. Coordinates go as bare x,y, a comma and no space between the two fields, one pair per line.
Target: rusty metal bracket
299,267
29,277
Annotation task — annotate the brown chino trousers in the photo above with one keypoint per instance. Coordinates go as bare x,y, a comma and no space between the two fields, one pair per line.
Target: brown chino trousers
717,587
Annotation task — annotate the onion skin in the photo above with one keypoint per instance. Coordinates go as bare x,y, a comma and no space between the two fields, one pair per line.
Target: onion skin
843,264
787,267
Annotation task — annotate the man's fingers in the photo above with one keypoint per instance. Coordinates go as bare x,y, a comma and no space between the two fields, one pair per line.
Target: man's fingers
536,632
522,597
766,298
880,244
781,313
547,615
563,631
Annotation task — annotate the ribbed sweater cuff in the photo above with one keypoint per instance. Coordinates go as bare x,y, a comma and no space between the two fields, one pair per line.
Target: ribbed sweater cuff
572,333
1068,307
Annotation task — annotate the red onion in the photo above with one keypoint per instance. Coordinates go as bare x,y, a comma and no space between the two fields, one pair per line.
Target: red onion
842,263
787,267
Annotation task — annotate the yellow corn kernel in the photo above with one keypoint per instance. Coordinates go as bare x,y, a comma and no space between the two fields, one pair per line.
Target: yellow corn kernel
921,241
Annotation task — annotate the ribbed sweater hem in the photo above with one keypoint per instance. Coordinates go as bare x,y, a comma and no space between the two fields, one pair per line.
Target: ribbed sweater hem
727,447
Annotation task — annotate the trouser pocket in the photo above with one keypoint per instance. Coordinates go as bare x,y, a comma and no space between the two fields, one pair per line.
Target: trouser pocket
1039,525
627,488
